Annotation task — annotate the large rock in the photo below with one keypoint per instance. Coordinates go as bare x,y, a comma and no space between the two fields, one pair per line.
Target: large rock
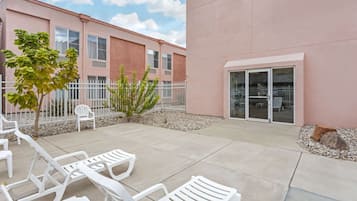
332,140
319,131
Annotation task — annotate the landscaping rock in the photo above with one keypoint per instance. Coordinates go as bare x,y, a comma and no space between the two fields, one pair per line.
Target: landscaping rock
333,140
349,135
320,131
176,120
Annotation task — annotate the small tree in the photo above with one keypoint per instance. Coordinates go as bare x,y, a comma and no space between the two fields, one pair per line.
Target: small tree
38,71
133,98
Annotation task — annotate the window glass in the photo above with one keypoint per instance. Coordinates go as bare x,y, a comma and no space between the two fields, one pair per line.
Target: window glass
92,47
283,95
74,90
169,61
153,58
74,40
97,87
97,48
156,59
65,39
102,49
167,89
237,94
102,87
61,39
166,61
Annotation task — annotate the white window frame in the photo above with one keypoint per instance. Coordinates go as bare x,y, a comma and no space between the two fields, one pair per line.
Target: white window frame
152,52
97,48
166,56
79,40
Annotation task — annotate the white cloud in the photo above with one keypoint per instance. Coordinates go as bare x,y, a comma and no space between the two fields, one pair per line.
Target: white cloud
131,21
176,37
148,27
169,8
88,2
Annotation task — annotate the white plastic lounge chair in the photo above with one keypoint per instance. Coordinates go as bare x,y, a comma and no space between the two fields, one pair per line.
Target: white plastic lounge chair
77,199
84,113
56,177
197,189
6,155
7,127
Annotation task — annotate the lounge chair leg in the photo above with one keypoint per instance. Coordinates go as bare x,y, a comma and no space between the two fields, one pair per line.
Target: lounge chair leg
94,124
59,194
124,174
18,140
9,164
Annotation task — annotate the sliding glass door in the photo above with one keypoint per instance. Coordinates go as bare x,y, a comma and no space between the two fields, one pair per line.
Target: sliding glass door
264,95
258,94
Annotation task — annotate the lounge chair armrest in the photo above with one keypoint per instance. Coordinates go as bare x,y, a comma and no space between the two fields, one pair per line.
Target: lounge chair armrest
11,122
5,192
91,114
70,155
149,191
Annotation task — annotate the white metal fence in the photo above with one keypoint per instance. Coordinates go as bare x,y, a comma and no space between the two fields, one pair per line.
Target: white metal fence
60,104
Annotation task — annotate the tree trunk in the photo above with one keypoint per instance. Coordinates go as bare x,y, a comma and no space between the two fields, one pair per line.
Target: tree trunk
36,128
37,118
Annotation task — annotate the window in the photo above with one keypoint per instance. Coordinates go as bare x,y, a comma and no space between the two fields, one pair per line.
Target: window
166,61
166,89
65,39
153,58
74,90
97,87
97,48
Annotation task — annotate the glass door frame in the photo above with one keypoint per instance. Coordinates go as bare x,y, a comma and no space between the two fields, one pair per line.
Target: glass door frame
268,97
270,92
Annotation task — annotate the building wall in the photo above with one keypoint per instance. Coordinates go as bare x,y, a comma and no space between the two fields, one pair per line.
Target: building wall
179,68
325,30
35,16
131,55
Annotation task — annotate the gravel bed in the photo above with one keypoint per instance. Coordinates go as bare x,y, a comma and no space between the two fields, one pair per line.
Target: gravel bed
349,135
60,127
176,120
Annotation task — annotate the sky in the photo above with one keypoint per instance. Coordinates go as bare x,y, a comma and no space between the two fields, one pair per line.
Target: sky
162,19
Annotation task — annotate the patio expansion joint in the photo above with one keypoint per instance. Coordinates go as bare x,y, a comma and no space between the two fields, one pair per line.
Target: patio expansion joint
53,144
200,160
294,172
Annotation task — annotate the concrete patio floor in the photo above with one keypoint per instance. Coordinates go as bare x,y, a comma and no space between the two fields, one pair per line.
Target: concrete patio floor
258,171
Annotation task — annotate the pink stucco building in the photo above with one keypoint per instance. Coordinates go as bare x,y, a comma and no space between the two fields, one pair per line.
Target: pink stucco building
102,47
283,61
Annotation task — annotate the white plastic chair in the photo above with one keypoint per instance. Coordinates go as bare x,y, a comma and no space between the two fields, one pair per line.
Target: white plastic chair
84,113
7,127
6,155
198,188
56,177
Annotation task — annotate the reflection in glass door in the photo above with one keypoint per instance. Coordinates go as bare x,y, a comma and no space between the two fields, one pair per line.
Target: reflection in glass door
283,95
237,94
258,94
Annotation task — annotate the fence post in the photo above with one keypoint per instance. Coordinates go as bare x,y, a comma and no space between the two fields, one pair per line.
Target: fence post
2,98
65,101
108,86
